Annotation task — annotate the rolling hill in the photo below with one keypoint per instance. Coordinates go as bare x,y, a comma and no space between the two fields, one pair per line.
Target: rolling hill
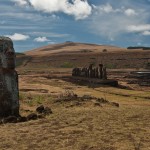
70,54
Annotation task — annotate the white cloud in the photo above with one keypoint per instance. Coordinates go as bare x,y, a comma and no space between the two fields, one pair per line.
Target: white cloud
138,28
20,2
146,33
111,21
107,8
41,39
78,8
49,34
130,12
18,37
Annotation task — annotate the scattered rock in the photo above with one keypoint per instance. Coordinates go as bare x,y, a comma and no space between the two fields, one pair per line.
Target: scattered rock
97,104
22,119
40,116
102,100
32,116
75,95
47,111
78,104
40,109
10,119
114,104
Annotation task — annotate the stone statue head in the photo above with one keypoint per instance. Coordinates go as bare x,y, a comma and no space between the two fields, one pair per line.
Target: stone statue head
7,53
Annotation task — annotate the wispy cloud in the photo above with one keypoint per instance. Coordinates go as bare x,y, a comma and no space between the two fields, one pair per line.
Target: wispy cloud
130,12
41,39
20,2
146,33
112,21
138,28
18,37
143,29
49,34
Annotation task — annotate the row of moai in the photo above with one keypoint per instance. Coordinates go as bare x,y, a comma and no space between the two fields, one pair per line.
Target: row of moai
9,93
99,72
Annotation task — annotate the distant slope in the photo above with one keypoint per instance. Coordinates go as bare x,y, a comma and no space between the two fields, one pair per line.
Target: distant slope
71,47
70,54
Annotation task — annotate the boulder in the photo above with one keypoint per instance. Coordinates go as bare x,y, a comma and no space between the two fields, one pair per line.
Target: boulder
10,119
32,116
40,109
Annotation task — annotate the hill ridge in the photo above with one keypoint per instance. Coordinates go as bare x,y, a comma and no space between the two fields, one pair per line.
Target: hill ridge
72,47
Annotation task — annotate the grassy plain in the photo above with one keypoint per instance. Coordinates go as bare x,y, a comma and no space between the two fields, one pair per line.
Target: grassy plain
76,125
80,125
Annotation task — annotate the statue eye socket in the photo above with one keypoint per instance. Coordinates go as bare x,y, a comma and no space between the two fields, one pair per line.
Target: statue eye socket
5,46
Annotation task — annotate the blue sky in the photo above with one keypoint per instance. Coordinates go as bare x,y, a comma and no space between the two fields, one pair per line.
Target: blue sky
35,23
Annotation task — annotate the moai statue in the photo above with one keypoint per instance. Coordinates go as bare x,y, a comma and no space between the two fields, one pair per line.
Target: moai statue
78,72
104,73
74,72
93,74
88,73
83,72
90,70
96,72
9,93
100,71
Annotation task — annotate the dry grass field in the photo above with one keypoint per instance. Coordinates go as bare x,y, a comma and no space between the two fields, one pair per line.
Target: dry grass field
80,120
79,124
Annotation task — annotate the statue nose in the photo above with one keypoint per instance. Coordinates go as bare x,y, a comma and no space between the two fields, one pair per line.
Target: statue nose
10,53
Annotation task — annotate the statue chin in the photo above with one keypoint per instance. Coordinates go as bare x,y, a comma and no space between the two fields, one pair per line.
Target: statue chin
11,66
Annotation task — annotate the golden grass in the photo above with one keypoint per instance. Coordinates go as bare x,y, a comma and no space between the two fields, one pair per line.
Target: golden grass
83,127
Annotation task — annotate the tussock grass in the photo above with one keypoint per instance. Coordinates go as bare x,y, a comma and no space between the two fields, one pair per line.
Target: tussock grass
82,127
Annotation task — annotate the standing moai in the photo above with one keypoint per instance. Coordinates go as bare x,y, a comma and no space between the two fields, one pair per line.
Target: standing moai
96,72
93,72
86,72
100,71
104,73
90,70
9,93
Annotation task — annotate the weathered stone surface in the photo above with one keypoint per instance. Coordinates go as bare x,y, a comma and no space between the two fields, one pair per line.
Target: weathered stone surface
44,110
114,104
47,111
9,93
41,116
40,109
22,119
10,119
32,116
